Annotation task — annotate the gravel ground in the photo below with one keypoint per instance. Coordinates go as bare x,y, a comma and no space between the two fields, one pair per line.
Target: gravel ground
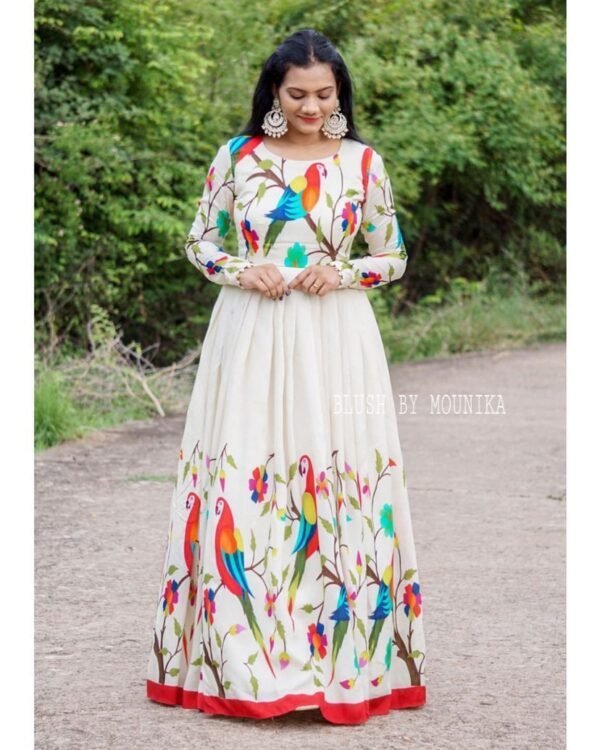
487,494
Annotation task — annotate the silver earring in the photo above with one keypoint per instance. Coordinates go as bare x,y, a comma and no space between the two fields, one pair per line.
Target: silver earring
336,125
275,122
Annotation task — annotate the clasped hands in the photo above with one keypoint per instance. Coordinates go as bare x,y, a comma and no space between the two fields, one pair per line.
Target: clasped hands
268,279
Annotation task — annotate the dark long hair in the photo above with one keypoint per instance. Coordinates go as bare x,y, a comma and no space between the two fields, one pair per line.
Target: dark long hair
303,48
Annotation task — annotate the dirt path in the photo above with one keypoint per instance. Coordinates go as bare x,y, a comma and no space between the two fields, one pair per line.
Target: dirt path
487,499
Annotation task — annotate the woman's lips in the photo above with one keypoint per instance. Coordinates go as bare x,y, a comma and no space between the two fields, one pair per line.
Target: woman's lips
309,119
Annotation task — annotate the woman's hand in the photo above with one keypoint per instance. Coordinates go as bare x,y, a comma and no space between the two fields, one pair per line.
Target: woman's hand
266,278
316,279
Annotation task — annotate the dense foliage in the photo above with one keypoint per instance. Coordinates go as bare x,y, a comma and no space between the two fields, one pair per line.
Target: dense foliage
466,101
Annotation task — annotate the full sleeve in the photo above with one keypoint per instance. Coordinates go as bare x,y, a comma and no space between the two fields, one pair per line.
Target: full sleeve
387,256
212,223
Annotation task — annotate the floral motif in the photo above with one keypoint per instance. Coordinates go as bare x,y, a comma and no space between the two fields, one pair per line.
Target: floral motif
296,256
250,236
322,485
412,600
387,520
370,278
270,598
170,596
210,606
317,639
349,218
258,484
223,222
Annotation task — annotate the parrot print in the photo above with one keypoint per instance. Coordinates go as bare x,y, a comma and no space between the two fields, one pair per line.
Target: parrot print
229,551
307,540
298,199
191,541
383,608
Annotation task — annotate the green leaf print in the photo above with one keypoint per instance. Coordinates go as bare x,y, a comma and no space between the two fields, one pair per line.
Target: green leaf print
172,569
378,461
176,627
326,525
388,232
252,657
280,630
361,626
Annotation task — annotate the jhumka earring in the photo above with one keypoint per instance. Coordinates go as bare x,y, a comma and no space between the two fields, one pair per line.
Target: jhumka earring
275,122
336,125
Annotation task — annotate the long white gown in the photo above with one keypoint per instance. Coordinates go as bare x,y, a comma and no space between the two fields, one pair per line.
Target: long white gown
290,577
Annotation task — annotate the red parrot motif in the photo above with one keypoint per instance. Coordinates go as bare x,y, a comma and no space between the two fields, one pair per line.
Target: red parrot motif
191,541
229,553
365,165
307,541
242,146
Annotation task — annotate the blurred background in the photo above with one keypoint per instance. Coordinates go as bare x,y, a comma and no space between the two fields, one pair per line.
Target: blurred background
464,100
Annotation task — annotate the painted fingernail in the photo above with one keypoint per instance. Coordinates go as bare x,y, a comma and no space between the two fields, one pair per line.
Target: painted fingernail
288,291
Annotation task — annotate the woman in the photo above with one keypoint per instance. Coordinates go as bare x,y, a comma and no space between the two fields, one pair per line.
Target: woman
290,577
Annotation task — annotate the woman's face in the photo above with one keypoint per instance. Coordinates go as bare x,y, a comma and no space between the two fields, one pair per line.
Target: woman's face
308,96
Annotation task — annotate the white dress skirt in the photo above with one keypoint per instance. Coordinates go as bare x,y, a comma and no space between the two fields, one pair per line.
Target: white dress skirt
290,577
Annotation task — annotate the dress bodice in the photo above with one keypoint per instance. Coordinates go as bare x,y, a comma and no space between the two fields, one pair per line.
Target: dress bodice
294,212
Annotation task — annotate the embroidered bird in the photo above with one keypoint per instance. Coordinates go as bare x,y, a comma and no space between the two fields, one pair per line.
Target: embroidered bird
341,615
365,164
297,200
191,542
229,553
242,145
307,541
383,607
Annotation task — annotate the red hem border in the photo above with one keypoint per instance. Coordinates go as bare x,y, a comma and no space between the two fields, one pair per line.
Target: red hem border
336,713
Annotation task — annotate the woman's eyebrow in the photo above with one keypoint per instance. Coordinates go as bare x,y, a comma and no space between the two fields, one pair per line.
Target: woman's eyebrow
297,88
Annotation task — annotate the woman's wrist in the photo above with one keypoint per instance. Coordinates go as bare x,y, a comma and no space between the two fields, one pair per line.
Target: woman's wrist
344,273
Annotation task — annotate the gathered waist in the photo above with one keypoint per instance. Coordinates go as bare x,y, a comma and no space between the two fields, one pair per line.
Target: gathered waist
287,271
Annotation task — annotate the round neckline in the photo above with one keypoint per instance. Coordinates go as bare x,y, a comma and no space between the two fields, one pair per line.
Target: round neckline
302,161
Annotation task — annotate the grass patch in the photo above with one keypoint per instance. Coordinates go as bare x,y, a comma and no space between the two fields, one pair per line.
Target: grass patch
470,317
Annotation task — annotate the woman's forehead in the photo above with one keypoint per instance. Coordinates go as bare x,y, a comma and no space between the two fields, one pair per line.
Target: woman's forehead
315,77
